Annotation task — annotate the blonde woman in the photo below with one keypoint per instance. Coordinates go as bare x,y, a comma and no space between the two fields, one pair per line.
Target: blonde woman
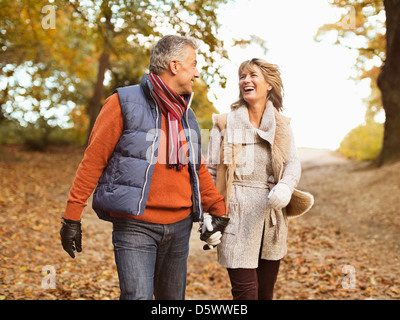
253,160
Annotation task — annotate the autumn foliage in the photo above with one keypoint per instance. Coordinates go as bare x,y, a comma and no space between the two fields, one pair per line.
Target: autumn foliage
346,227
363,142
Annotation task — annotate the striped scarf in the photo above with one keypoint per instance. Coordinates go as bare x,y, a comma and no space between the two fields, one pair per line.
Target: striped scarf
173,106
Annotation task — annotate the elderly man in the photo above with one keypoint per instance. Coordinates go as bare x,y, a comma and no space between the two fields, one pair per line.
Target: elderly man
144,162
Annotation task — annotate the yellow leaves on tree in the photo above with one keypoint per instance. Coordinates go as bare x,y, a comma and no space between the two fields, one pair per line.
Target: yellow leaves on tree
363,142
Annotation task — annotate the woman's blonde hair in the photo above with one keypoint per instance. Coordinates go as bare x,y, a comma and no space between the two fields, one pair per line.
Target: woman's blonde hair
271,74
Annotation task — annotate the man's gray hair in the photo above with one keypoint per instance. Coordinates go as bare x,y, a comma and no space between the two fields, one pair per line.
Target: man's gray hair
169,48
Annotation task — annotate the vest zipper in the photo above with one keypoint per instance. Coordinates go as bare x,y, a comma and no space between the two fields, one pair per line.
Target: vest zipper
152,154
194,161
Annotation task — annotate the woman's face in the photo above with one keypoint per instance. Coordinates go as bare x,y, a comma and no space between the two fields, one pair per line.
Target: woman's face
253,86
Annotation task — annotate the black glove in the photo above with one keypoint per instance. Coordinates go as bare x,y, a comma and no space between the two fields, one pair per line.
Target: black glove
71,234
218,224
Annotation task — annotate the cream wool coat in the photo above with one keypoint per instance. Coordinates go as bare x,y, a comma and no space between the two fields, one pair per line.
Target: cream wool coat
253,225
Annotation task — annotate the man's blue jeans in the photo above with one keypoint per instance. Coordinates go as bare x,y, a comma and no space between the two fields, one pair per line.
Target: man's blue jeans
151,258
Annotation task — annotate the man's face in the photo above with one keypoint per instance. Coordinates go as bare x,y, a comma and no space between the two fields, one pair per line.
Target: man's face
186,72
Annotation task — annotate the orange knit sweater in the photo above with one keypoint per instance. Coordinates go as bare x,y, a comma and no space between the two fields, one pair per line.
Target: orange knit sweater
169,198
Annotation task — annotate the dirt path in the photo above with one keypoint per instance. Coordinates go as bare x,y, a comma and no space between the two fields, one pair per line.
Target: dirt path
349,238
356,223
346,247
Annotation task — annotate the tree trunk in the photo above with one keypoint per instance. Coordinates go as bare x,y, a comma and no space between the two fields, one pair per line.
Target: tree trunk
389,84
95,102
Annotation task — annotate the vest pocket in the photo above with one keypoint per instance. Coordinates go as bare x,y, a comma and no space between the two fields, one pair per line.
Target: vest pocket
108,176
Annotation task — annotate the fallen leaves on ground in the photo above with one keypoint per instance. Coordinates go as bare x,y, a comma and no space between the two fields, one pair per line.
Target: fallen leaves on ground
33,193
346,247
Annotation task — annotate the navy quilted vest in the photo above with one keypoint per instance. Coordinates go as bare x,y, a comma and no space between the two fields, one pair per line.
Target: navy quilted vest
125,183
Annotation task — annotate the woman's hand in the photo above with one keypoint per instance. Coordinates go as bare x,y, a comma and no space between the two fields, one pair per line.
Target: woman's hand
211,230
279,196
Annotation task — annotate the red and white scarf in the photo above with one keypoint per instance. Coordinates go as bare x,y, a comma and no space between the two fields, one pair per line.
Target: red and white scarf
173,106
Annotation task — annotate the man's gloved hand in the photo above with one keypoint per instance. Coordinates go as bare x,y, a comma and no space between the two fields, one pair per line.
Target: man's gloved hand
71,236
212,229
279,196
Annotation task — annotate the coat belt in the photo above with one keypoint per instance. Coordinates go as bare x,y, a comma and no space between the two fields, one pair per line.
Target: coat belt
251,184
276,219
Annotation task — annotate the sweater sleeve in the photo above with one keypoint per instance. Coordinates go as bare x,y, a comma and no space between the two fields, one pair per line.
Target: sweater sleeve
211,200
104,136
292,172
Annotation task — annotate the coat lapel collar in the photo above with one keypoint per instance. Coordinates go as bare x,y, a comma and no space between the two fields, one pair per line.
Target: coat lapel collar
241,131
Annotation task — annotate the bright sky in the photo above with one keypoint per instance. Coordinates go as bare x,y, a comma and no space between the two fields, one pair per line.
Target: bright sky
322,100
